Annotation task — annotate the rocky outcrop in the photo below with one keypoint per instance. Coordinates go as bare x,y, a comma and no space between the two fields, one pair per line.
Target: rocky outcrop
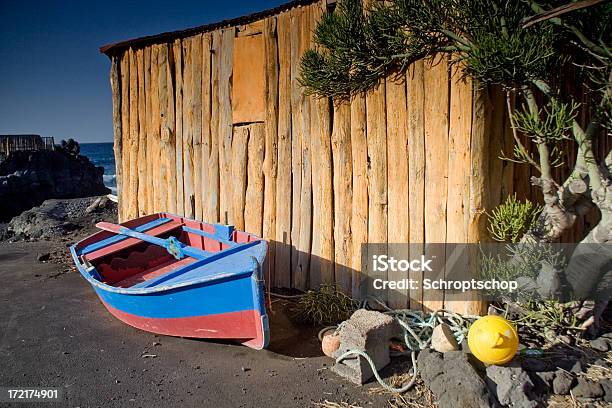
59,219
27,178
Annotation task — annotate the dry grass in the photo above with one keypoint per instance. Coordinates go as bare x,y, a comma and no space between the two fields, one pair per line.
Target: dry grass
395,381
330,404
418,396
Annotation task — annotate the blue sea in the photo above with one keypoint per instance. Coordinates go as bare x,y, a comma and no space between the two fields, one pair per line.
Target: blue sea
101,154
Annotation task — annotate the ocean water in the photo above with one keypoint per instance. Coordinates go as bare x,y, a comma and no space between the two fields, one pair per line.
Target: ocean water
101,154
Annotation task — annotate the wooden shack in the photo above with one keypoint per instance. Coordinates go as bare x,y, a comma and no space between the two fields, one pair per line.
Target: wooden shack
212,123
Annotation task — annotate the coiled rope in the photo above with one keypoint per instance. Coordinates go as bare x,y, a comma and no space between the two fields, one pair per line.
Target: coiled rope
417,330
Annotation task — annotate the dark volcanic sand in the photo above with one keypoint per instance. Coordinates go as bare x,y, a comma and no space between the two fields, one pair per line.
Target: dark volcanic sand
55,332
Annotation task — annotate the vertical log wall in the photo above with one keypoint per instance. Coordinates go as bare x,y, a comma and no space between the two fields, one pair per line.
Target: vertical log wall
411,161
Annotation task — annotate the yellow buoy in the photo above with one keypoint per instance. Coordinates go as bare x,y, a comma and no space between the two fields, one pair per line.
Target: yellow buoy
493,340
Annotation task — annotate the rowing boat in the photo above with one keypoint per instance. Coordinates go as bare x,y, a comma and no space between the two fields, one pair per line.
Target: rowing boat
175,276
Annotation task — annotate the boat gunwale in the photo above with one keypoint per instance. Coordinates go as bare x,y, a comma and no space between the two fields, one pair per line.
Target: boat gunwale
210,279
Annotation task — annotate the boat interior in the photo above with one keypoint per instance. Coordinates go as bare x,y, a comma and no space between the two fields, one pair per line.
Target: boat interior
125,262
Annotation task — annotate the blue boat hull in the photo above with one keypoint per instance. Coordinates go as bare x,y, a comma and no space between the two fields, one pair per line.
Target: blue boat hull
223,299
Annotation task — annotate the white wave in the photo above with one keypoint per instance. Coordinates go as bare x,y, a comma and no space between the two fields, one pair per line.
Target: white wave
108,178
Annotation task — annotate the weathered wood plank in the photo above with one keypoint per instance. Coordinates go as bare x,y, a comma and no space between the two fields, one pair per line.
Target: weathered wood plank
142,136
416,172
297,105
116,85
271,143
460,127
214,214
397,179
359,212
322,259
178,120
436,79
204,163
343,195
376,123
253,211
304,246
132,192
196,122
148,164
188,129
122,192
225,123
282,276
248,80
238,165
496,146
479,148
168,136
155,135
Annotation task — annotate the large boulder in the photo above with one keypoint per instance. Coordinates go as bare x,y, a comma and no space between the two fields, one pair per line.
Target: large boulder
452,378
27,178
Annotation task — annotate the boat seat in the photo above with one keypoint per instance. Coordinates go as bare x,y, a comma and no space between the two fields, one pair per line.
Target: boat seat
128,242
153,272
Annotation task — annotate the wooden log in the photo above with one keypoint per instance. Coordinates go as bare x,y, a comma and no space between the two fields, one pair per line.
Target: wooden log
142,136
297,96
116,85
416,172
132,191
460,127
481,122
271,143
377,177
359,212
225,123
323,211
322,259
196,121
397,179
148,164
238,163
178,120
155,134
508,166
282,277
496,146
254,206
479,158
343,195
304,246
168,139
208,214
436,79
188,128
214,214
196,111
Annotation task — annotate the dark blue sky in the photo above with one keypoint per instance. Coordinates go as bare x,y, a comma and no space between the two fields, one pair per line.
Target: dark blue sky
54,81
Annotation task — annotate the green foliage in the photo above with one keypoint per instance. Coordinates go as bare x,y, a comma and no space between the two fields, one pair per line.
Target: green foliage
325,306
551,123
521,260
357,47
509,221
547,315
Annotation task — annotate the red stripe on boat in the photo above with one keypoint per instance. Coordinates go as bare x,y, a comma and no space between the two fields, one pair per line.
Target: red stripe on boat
232,325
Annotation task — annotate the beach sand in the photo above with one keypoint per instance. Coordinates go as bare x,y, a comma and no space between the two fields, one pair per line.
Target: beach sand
56,333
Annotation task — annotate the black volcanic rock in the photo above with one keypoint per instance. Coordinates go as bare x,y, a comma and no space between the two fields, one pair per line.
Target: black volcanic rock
27,178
